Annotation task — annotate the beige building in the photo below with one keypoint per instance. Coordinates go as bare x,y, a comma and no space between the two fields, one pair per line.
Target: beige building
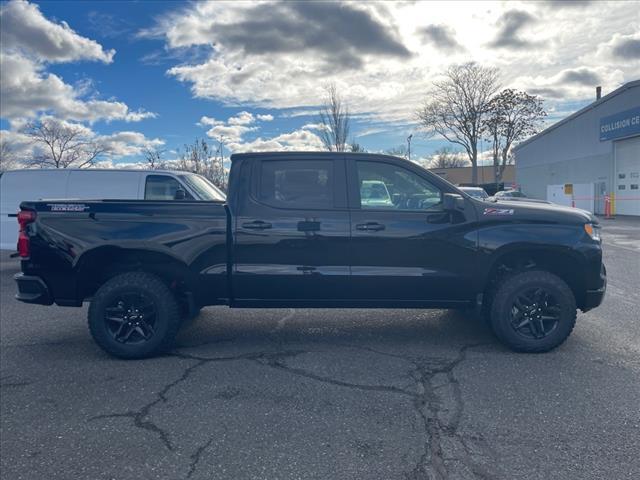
486,175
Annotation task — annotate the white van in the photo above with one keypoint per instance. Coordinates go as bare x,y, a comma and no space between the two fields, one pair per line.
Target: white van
19,185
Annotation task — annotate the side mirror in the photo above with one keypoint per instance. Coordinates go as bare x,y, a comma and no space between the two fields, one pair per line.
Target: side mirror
180,194
452,202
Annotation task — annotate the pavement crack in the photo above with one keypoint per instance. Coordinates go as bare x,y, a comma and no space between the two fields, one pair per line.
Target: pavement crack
428,406
12,381
139,416
275,362
196,456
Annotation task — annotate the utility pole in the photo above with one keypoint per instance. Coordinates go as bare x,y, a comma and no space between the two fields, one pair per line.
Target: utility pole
409,146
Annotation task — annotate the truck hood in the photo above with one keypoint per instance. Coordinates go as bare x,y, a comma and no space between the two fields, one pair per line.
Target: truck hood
537,212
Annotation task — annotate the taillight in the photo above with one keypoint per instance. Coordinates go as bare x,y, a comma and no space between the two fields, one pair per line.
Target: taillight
25,217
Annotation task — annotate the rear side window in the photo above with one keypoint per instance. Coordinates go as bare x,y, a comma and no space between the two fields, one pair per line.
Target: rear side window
161,187
297,183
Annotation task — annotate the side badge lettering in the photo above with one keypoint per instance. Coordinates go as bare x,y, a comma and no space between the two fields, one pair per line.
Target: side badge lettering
498,211
67,207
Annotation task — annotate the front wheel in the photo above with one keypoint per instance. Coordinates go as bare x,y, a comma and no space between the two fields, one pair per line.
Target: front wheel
134,315
533,311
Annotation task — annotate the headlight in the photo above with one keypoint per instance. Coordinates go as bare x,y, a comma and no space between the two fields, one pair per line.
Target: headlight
593,231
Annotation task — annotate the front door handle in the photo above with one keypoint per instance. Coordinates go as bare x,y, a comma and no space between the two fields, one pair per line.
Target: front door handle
370,227
256,225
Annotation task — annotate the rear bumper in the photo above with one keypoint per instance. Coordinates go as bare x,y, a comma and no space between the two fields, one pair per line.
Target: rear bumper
593,298
32,289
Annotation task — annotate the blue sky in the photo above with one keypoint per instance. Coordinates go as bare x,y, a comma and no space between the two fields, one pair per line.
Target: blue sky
163,73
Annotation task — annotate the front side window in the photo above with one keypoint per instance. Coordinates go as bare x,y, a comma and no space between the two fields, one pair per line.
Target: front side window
389,187
161,187
297,183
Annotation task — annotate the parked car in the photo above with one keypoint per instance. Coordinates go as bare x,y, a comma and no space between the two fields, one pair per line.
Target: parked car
296,232
19,185
516,196
475,192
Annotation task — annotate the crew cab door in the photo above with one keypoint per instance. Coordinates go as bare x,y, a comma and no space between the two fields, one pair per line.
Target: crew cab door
405,248
292,232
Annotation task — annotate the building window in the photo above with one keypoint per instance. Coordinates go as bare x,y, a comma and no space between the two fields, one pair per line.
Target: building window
622,187
634,186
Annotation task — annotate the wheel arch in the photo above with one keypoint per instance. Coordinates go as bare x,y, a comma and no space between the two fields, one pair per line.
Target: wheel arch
98,265
561,261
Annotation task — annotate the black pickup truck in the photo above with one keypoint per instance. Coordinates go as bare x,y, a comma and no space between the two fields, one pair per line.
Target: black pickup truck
312,230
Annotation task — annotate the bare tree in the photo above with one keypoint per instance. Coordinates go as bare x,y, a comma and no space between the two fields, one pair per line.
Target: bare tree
445,157
200,158
62,145
153,156
399,151
335,119
512,115
8,157
355,147
455,107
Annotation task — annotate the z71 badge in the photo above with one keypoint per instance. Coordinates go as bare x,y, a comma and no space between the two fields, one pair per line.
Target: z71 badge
498,211
67,207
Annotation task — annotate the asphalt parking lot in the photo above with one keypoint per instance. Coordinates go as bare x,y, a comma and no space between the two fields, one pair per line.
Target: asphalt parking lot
327,394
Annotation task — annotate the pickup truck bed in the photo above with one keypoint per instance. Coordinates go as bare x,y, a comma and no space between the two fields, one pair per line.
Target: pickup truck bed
308,230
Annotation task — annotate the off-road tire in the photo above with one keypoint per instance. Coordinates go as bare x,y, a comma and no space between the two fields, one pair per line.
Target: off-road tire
503,303
167,316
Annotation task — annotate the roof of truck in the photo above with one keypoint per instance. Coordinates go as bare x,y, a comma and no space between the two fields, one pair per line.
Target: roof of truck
310,155
147,170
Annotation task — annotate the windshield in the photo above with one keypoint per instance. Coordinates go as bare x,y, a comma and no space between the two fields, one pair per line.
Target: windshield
203,188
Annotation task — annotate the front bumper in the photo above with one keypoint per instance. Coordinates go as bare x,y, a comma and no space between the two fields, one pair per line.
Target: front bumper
32,289
593,298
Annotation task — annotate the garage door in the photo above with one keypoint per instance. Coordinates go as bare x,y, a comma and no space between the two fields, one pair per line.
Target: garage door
628,176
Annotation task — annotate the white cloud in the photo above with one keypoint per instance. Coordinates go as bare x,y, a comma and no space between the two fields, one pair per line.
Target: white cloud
127,143
209,121
29,43
242,118
570,83
298,140
25,29
289,70
622,48
229,133
314,126
28,90
235,127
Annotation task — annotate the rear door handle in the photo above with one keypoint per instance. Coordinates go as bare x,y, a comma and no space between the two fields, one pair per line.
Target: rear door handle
256,225
370,227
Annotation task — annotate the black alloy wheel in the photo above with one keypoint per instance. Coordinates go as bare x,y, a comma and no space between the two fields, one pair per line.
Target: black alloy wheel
134,315
535,313
131,319
532,311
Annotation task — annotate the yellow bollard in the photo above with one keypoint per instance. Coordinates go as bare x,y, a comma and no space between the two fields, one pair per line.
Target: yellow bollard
613,204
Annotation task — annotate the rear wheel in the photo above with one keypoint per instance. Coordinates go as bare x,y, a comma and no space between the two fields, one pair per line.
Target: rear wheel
533,311
134,315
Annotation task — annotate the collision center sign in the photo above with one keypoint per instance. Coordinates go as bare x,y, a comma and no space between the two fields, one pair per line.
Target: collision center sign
620,124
